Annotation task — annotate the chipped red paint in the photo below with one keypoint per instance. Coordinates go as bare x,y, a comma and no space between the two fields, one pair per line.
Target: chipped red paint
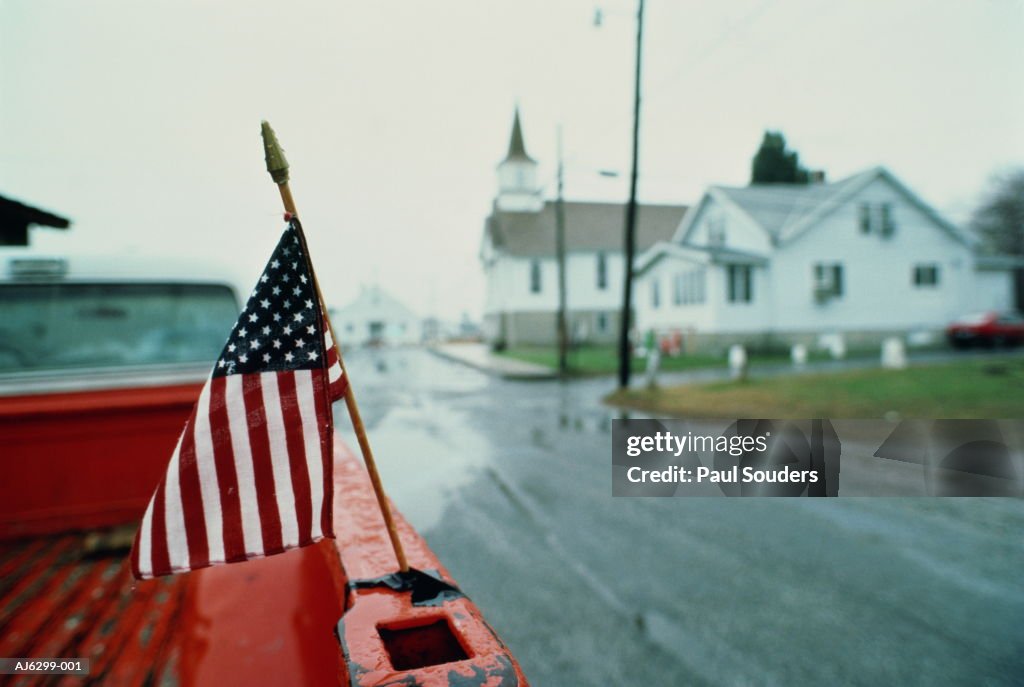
365,553
264,622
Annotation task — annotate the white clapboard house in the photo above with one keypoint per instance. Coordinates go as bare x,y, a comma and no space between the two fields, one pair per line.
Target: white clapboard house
376,318
774,264
521,270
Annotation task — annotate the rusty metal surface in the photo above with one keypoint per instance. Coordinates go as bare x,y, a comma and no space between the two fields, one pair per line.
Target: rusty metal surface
64,596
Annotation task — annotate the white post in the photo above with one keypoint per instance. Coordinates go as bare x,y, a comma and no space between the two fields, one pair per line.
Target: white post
738,362
799,355
894,354
653,362
837,346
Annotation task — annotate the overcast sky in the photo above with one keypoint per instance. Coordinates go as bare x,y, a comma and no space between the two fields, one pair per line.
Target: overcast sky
140,120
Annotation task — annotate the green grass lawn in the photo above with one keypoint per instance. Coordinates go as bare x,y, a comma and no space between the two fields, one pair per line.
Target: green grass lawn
598,360
969,389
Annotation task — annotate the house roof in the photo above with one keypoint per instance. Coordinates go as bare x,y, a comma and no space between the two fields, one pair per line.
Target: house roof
589,227
785,211
778,208
705,254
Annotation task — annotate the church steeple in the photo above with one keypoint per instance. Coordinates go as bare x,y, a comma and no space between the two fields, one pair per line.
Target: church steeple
516,147
517,175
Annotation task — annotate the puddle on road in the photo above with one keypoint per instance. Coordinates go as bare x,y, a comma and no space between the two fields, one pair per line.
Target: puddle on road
423,458
434,424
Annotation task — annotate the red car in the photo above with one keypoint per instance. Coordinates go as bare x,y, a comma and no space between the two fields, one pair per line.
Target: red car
988,328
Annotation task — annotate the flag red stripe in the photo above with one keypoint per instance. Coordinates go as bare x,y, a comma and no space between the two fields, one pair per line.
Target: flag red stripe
324,425
192,499
339,388
136,569
259,443
227,478
158,540
296,456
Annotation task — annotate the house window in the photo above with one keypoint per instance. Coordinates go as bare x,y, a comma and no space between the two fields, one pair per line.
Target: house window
602,322
828,281
689,287
535,276
740,283
888,224
926,276
602,271
655,293
877,218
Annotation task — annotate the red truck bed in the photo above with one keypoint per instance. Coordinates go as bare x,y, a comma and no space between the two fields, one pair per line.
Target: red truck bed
273,621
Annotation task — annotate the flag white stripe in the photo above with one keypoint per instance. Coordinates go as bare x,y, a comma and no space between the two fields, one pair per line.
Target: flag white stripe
174,514
252,530
334,371
145,542
279,463
208,484
311,438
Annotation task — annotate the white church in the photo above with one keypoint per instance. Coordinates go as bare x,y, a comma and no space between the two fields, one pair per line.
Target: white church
518,257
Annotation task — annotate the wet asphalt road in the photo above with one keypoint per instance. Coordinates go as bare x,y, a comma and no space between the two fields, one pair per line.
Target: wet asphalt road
510,483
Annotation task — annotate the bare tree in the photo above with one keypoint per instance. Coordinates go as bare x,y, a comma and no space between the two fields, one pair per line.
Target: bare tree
999,220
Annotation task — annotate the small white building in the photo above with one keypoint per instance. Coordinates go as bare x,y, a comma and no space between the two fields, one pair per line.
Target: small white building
376,318
518,254
776,264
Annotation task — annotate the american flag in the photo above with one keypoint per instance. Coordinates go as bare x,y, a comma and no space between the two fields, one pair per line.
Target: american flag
252,472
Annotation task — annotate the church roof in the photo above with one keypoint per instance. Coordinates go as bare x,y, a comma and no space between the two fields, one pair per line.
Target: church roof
516,147
589,227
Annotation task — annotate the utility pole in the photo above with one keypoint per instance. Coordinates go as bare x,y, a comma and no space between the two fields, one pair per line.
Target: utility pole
630,238
562,325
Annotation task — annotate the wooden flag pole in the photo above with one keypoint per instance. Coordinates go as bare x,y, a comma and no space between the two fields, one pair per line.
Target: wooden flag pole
277,165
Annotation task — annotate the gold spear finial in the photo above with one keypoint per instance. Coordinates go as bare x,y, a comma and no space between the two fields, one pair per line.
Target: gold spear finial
277,165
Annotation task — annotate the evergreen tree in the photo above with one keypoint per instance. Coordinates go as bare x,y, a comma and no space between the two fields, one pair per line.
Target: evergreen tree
773,164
